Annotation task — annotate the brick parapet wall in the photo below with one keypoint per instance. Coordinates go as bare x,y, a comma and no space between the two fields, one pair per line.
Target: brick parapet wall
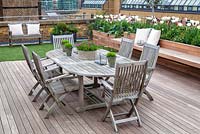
46,28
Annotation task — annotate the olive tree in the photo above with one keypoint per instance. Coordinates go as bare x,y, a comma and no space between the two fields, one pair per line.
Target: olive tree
152,4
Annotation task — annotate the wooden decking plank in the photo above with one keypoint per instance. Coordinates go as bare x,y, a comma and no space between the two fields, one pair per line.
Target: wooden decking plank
69,109
23,99
23,120
154,123
173,110
144,129
76,120
163,121
60,126
1,126
180,123
179,110
8,103
178,83
27,85
5,125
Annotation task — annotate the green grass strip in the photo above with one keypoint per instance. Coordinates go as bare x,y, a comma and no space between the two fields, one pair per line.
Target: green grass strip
15,53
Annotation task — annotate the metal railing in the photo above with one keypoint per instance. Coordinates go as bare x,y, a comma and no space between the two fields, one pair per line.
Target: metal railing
51,17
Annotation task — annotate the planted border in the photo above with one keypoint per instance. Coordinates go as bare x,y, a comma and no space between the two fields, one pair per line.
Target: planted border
172,32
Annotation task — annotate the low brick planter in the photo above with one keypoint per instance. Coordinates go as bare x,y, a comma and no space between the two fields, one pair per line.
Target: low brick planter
176,63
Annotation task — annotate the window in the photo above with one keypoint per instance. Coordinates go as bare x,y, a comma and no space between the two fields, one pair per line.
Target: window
93,3
165,5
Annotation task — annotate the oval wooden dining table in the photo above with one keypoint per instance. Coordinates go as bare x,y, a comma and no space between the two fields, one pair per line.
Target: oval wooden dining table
84,68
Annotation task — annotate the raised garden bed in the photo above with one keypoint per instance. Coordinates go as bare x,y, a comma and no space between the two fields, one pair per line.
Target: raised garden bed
177,56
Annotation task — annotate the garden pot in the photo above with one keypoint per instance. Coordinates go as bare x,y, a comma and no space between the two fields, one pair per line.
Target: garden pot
111,61
68,51
86,55
63,48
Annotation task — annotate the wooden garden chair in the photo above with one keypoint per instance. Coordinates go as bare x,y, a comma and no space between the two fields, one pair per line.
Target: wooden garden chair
128,85
51,69
57,87
149,53
57,40
126,47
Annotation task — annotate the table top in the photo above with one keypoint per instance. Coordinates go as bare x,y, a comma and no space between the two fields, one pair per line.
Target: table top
80,67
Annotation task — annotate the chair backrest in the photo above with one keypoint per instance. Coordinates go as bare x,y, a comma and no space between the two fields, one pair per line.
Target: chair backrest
39,68
57,40
28,58
150,53
126,47
129,79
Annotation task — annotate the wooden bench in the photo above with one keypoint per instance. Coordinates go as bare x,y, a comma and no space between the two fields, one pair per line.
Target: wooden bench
25,34
178,57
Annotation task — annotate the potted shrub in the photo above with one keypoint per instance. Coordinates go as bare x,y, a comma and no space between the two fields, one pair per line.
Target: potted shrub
111,58
63,29
67,47
71,29
87,51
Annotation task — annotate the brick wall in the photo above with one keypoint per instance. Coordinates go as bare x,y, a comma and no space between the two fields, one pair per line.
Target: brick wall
19,8
46,27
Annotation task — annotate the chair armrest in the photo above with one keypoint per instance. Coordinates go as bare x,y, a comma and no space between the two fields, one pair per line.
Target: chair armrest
43,58
57,78
50,69
149,69
106,85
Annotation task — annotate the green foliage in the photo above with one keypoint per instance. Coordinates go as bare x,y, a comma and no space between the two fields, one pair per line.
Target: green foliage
65,41
107,48
61,28
188,35
153,2
87,46
15,53
111,54
67,44
71,29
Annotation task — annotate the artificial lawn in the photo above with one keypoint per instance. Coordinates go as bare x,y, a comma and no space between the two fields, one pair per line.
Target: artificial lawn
15,52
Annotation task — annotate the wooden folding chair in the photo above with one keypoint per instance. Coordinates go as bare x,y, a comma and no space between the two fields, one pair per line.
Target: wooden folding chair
57,40
149,53
128,85
126,47
57,87
54,70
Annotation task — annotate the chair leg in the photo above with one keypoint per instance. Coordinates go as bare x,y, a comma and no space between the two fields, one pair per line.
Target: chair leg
131,110
38,94
45,101
33,88
58,101
107,112
148,95
138,117
113,120
50,110
134,109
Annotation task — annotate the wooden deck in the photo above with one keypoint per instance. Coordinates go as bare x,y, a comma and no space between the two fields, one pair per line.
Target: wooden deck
176,108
